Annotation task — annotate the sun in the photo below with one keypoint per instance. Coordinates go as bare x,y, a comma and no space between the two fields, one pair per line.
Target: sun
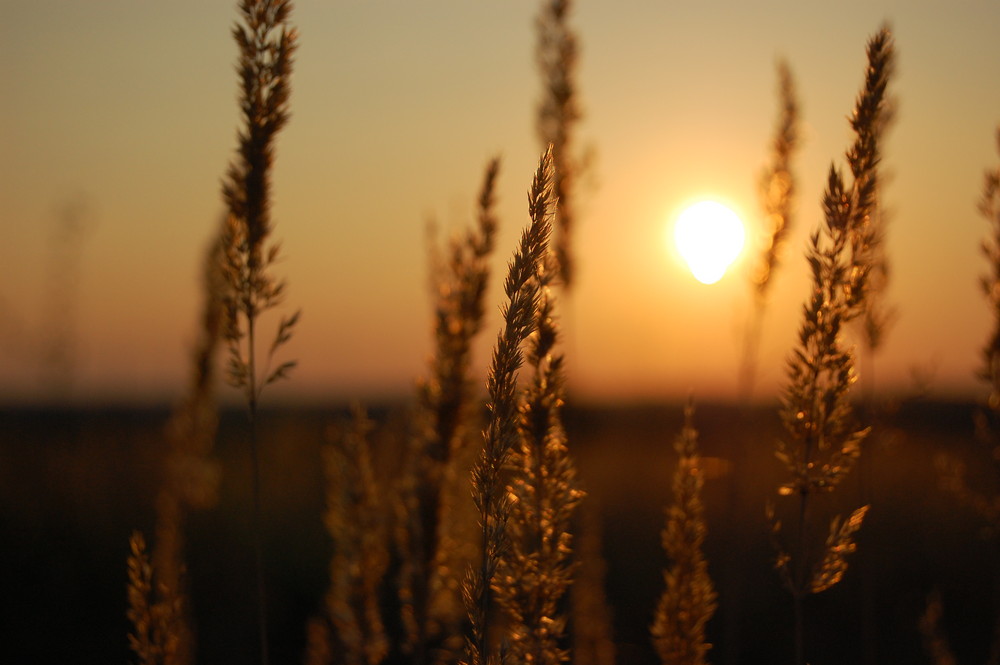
709,236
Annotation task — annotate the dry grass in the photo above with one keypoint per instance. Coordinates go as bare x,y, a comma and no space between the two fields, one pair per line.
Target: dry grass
523,526
351,630
558,114
394,565
823,441
536,571
409,546
878,314
442,430
777,195
266,45
689,600
490,495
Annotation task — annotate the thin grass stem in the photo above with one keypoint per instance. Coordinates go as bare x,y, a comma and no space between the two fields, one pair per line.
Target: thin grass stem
266,45
823,443
491,498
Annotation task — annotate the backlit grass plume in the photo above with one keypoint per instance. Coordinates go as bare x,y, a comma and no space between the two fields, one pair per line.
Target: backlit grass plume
266,47
443,410
558,113
536,570
823,441
266,44
350,630
689,600
489,491
777,195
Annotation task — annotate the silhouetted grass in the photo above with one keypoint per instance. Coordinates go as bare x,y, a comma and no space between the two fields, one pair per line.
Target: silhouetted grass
823,442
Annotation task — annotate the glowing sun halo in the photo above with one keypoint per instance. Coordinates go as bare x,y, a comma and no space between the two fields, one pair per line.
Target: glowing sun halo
709,236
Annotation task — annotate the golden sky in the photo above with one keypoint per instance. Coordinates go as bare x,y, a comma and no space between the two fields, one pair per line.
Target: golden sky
124,114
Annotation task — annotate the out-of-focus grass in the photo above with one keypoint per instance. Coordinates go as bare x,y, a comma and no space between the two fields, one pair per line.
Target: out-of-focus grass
73,485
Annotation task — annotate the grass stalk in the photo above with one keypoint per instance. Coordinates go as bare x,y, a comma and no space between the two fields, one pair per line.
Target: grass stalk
823,443
777,195
266,45
875,319
877,315
536,572
444,407
491,498
689,599
557,53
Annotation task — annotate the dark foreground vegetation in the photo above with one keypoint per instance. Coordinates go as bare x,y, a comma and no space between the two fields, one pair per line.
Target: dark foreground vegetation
75,484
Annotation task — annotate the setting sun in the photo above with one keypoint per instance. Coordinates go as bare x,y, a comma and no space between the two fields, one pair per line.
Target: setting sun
709,236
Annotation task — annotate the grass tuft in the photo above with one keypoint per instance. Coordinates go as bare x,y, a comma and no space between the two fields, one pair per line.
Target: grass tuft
823,443
537,572
689,599
492,500
441,427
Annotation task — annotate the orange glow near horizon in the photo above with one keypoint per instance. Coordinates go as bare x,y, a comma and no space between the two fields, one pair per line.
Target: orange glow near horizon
392,123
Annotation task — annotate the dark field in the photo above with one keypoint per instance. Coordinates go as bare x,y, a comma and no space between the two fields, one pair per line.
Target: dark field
73,485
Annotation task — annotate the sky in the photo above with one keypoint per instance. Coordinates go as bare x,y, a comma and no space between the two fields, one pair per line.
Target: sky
120,117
